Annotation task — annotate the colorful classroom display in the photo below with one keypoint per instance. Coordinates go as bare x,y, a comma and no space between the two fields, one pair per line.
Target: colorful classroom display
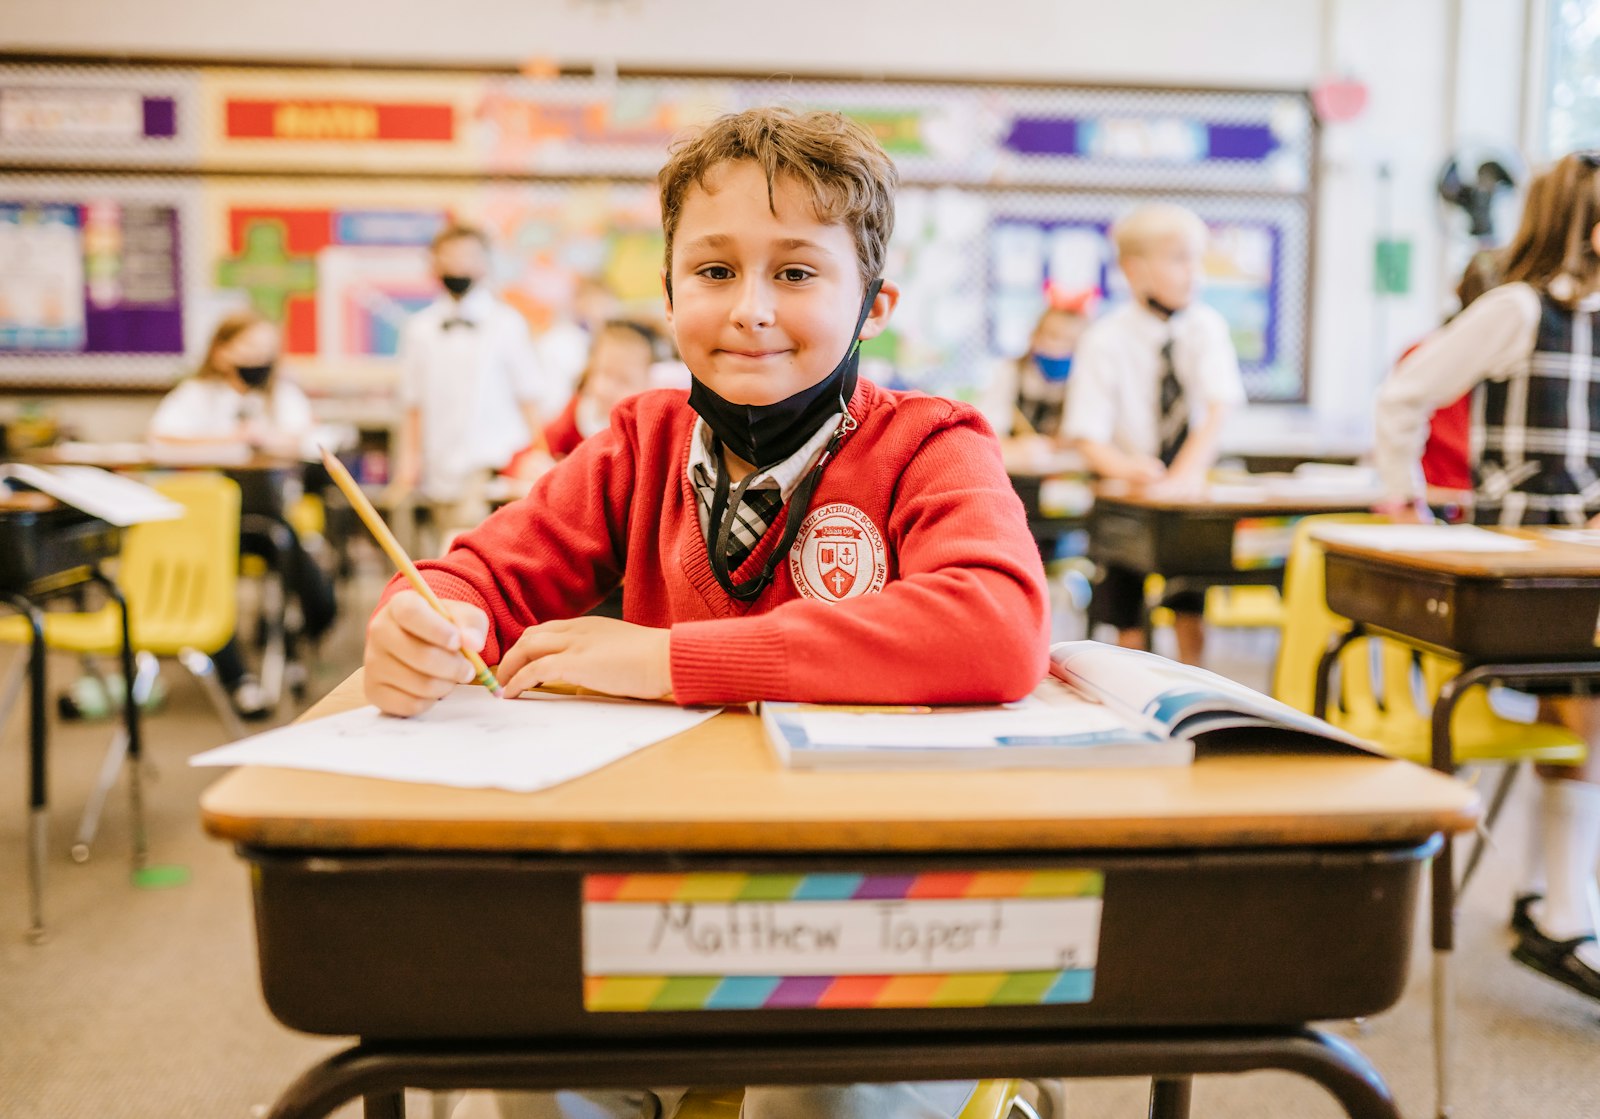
312,194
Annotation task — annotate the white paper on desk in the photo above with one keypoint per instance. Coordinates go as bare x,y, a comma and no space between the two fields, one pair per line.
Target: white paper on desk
1590,537
1422,538
469,739
100,493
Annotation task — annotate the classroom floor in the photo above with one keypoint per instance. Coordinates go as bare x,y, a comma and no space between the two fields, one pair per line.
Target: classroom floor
144,1003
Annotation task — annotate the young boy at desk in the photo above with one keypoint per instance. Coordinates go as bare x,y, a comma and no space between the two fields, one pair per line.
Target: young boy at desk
782,531
1152,383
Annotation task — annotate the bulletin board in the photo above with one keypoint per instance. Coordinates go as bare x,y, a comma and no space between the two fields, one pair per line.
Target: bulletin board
147,200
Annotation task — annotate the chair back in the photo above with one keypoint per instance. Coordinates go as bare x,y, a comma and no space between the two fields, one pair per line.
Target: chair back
1308,623
181,576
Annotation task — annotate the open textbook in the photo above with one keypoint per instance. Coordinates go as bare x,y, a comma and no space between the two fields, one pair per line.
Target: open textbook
1102,706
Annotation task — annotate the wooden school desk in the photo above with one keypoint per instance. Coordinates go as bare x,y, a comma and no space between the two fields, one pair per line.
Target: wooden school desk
1509,617
48,549
1243,897
1235,535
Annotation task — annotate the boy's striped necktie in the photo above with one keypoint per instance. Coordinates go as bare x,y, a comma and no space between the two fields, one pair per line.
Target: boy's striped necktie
1174,417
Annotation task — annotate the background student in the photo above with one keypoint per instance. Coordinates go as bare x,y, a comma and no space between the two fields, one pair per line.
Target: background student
785,530
1152,383
1529,353
239,397
1026,399
618,366
471,388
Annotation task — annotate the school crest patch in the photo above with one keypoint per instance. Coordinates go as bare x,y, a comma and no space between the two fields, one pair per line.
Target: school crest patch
838,554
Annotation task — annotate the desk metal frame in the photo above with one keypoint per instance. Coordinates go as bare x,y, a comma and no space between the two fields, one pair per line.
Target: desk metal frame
1482,665
28,601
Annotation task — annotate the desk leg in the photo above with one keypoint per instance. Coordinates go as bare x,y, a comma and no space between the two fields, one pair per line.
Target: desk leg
384,1105
1169,1097
130,717
38,772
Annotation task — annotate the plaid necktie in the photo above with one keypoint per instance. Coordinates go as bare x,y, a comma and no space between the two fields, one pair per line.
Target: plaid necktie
756,514
1174,422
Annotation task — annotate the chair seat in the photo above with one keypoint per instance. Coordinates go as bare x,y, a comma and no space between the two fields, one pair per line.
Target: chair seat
1473,739
99,633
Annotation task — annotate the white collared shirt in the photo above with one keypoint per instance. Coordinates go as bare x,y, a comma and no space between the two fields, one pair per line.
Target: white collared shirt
783,477
210,407
469,382
1114,393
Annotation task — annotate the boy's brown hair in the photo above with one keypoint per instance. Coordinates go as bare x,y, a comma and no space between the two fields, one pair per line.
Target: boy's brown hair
459,231
850,179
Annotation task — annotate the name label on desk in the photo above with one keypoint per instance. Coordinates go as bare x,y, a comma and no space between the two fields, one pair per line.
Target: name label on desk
655,942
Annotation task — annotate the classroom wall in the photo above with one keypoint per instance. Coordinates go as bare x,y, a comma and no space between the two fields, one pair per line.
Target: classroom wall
1435,69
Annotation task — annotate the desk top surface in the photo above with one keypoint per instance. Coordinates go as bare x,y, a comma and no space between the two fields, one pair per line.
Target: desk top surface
718,788
1551,558
157,456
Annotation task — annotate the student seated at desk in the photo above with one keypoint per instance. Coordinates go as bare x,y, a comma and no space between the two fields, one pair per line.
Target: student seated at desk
1026,399
619,365
784,530
1528,351
1152,383
238,398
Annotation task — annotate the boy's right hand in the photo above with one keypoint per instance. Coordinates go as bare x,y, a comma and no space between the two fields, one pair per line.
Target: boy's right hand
413,656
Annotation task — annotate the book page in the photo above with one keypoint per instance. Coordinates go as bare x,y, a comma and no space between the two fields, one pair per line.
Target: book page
111,497
1422,538
469,739
1169,695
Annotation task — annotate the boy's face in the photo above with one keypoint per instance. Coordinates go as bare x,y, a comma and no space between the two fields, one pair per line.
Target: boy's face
763,302
461,256
1168,271
619,366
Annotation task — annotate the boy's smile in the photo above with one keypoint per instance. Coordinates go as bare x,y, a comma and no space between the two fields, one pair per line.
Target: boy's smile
763,294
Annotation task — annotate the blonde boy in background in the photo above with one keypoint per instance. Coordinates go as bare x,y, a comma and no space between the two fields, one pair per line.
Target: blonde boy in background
1152,383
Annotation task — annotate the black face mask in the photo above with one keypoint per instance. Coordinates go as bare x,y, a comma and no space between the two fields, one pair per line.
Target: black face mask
456,285
254,376
1160,308
765,434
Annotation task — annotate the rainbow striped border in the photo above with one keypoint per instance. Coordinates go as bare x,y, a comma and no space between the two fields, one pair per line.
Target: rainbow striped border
933,885
636,993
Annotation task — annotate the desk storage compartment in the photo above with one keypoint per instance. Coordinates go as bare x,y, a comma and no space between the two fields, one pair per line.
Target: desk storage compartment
1478,619
37,545
1161,540
410,946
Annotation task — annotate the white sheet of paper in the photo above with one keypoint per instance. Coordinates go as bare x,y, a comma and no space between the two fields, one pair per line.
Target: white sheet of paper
1067,714
100,493
1589,537
1422,538
469,739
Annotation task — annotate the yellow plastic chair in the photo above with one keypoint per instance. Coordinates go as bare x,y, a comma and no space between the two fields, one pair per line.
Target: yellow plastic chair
180,580
991,1099
1385,689
1244,607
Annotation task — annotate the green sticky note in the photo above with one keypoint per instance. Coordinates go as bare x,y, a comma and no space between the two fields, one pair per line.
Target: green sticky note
1391,267
160,877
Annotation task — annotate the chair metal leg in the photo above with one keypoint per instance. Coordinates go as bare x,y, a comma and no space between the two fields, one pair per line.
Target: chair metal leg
384,1105
1497,801
89,825
1443,1028
15,675
201,667
38,771
1169,1097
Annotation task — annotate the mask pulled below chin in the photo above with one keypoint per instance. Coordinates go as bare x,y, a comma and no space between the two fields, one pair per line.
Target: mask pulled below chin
456,285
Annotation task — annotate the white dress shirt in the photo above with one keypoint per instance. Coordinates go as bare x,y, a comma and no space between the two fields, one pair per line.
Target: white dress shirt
211,408
1486,342
1114,393
469,379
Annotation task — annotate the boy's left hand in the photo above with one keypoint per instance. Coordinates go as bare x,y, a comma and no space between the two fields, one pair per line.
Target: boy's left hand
603,654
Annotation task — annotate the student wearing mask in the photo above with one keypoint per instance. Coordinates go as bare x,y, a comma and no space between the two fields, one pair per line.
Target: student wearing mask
471,388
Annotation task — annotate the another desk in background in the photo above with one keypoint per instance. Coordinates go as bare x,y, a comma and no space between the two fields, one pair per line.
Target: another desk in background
1237,534
1240,898
1516,617
1055,490
48,549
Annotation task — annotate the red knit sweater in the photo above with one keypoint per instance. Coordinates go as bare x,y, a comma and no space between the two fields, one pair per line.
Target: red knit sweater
916,580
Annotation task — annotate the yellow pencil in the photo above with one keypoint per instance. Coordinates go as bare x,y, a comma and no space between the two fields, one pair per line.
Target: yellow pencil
380,531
